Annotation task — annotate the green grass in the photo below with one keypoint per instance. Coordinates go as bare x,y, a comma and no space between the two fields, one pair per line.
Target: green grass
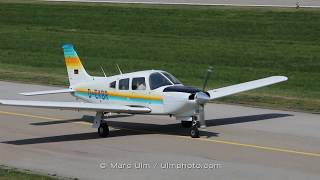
13,174
240,43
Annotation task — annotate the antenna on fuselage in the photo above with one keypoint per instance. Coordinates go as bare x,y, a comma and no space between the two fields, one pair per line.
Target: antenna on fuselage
119,69
103,72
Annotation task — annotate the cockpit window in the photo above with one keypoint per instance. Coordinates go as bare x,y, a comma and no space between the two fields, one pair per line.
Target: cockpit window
157,80
171,78
124,84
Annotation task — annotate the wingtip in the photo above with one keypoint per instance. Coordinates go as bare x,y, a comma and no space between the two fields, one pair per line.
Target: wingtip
282,78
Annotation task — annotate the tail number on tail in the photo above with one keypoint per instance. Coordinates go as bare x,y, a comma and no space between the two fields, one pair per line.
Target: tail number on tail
98,94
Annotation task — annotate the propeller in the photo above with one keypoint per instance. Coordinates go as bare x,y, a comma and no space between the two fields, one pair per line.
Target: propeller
209,71
202,98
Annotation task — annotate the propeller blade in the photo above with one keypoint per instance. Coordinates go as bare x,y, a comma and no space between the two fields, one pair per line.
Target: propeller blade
209,71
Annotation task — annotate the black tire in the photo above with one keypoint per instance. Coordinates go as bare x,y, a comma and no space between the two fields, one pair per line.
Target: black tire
194,132
186,124
103,130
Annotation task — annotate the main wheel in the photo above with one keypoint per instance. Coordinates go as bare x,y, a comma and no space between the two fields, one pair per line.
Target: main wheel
186,124
103,130
194,132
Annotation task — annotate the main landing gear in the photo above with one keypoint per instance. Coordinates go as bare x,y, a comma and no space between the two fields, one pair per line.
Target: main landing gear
101,124
103,130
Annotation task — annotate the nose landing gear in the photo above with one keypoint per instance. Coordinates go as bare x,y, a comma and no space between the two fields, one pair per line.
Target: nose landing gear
194,131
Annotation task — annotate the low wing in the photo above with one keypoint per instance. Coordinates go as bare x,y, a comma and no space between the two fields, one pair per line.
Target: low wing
77,106
229,90
47,92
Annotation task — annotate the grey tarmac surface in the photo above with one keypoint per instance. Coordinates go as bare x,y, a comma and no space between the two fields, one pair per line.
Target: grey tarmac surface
242,143
279,3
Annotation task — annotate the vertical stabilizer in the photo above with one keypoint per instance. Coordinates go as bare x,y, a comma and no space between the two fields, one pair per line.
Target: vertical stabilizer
76,72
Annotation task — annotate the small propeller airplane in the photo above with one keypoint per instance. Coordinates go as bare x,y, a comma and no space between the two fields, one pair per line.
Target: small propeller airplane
153,92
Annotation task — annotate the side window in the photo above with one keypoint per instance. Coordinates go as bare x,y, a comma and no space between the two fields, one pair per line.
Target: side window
138,83
157,80
124,84
113,85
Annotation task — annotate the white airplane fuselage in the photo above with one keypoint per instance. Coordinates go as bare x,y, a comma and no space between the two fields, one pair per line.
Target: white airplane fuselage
160,103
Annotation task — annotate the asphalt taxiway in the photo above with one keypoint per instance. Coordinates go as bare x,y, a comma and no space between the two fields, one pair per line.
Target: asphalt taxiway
239,143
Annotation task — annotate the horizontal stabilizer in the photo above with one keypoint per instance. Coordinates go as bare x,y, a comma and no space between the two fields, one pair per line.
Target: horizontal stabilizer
76,106
47,92
229,90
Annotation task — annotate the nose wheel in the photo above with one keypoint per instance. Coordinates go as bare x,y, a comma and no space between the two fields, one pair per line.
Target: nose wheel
194,131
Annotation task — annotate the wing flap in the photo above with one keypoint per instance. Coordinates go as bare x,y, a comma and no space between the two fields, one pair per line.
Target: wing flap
77,106
229,90
47,92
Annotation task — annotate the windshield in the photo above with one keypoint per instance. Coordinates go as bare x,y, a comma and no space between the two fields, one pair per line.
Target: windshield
171,78
157,80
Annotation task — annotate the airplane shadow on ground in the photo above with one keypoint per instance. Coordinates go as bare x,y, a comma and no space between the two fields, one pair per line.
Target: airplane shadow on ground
134,128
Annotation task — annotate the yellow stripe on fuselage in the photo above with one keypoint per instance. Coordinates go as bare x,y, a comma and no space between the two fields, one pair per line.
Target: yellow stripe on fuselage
134,95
